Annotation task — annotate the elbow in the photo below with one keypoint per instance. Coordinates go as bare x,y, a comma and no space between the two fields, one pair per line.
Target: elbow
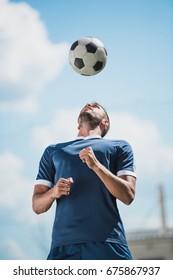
129,199
37,209
34,208
130,196
37,212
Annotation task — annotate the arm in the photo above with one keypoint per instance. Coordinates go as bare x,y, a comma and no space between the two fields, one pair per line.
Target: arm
43,196
122,187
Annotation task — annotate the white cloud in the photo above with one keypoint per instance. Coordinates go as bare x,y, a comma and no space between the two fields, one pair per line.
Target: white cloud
14,186
28,59
12,248
152,155
16,209
24,105
17,190
61,128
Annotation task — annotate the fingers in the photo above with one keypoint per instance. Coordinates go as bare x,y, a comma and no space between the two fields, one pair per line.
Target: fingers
64,190
63,187
70,179
84,153
87,156
65,182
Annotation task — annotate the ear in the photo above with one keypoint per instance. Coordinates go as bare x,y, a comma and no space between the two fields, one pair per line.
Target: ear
104,122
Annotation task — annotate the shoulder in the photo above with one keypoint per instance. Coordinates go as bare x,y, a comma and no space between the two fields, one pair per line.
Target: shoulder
124,144
122,148
54,147
125,148
117,143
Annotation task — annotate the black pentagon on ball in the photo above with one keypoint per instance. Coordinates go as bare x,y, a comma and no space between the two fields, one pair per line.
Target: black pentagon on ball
74,45
78,62
98,66
91,47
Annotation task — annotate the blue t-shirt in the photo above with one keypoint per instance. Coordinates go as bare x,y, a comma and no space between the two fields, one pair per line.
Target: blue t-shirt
90,212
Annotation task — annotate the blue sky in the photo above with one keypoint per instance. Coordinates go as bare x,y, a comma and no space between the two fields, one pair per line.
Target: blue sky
40,97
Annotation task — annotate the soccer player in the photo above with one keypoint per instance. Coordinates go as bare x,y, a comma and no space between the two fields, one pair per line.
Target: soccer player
85,177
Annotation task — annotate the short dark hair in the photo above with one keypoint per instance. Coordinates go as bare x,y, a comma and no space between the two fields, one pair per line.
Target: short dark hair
107,127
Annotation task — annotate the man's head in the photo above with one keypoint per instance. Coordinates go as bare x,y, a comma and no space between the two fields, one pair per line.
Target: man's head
94,115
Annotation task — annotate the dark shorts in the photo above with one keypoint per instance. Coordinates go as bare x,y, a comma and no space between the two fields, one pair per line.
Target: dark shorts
91,251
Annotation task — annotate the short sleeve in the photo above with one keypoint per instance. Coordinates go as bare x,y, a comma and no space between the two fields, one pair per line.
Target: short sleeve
125,161
46,171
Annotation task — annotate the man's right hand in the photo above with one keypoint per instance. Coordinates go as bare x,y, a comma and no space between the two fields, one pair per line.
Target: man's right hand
62,187
43,196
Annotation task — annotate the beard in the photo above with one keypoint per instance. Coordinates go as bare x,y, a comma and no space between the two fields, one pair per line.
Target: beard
89,119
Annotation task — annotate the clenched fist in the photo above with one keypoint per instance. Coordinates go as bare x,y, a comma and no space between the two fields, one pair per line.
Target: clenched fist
62,187
87,156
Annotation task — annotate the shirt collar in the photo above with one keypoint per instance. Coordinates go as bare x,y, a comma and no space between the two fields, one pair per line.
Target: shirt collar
88,137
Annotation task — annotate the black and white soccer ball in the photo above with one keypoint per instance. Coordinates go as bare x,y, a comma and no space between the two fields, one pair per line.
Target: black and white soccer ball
87,56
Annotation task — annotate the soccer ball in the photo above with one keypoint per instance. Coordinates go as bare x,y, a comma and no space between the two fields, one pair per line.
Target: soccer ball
87,56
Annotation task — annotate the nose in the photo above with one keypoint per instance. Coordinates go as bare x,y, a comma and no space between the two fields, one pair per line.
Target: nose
87,106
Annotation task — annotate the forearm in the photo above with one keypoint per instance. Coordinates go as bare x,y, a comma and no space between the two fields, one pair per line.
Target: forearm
41,202
43,197
120,188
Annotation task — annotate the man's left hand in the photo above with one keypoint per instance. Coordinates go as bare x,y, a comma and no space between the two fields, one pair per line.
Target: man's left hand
87,156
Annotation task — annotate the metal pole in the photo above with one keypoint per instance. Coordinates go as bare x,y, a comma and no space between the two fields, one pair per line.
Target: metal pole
162,209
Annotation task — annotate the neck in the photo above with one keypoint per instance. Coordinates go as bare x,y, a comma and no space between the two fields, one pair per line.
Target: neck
85,132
